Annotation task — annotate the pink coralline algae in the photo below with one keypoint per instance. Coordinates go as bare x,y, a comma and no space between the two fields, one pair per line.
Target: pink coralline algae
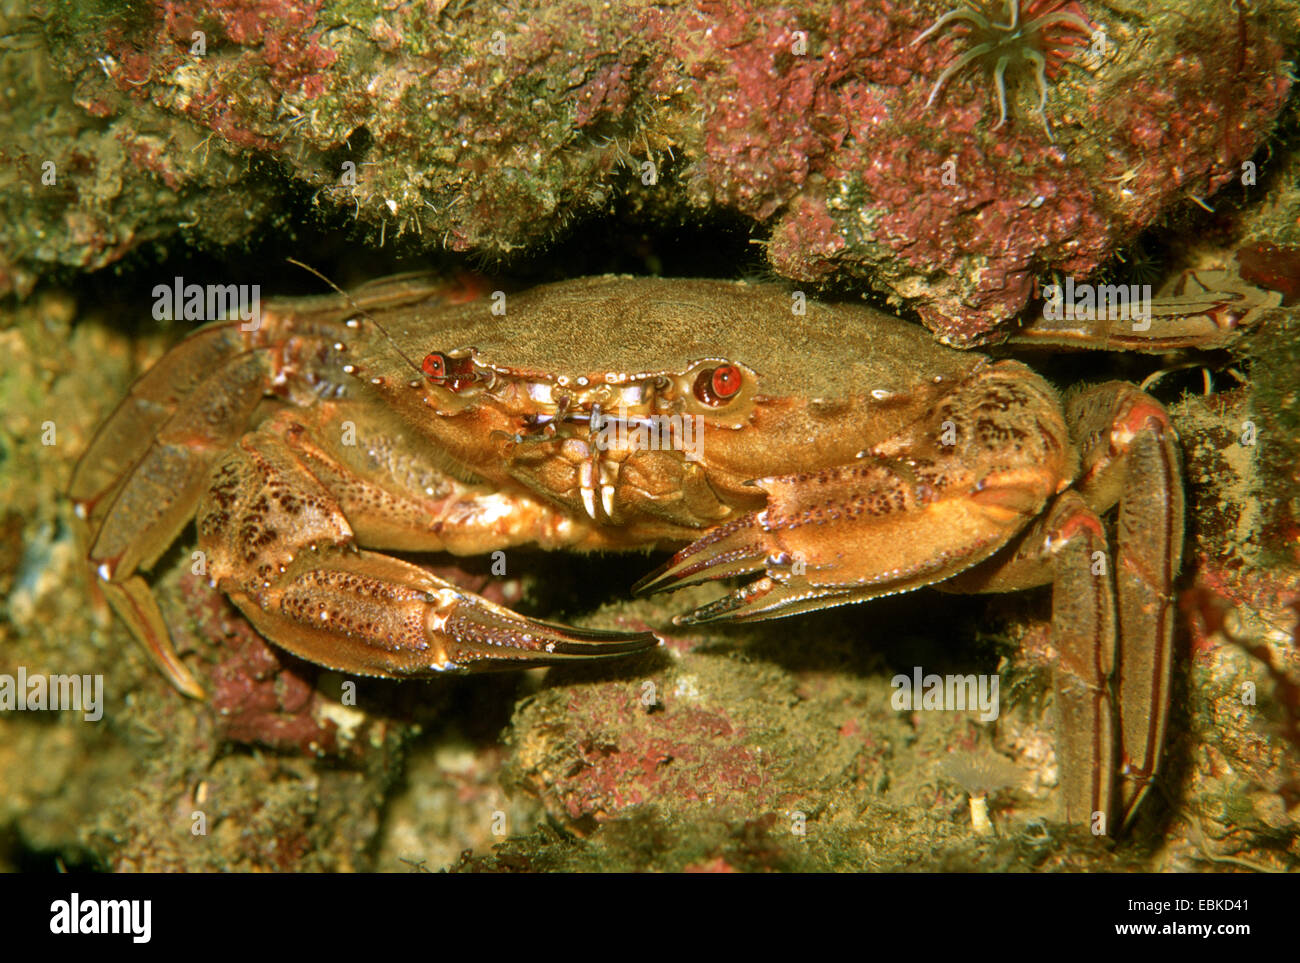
617,756
935,205
485,130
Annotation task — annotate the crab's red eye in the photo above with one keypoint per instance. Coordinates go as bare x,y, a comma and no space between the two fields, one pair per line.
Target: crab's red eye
450,371
717,386
435,366
725,380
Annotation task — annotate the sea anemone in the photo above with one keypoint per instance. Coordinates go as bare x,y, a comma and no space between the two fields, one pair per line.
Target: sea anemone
1037,40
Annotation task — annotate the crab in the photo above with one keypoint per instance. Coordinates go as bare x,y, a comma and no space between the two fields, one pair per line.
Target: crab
825,454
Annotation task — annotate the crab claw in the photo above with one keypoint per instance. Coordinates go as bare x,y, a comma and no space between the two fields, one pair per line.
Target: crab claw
370,614
481,636
742,547
732,549
879,526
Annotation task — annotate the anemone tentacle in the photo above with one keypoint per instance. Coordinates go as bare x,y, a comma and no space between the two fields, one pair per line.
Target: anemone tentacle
1011,51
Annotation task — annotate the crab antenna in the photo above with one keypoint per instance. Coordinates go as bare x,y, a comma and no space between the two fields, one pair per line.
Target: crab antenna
361,311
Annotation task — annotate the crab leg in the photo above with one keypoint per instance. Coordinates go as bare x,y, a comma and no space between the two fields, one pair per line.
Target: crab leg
1134,459
181,412
1083,630
1130,456
1204,309
154,399
280,546
398,500
1063,549
137,485
1109,681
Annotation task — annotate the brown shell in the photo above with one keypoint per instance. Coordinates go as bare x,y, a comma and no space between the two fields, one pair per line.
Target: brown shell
597,326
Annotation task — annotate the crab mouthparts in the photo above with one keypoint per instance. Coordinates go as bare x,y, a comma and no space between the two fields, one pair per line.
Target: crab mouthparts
596,419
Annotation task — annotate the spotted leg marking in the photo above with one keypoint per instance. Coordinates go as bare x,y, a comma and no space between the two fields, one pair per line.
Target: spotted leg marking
281,547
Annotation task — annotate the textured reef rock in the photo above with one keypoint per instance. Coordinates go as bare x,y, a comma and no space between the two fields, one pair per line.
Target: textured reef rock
1236,758
483,128
781,752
